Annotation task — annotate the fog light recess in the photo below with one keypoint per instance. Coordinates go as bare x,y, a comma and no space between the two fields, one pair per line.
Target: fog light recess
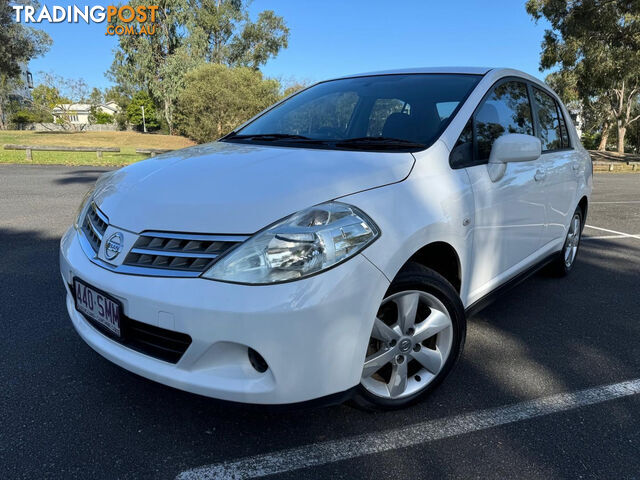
257,361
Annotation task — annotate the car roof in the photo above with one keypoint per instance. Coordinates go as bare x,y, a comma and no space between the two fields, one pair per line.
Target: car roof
460,70
489,73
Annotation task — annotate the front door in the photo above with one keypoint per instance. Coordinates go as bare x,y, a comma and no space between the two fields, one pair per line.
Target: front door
510,212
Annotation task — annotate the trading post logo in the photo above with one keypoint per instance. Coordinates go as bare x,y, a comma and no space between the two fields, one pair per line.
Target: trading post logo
121,20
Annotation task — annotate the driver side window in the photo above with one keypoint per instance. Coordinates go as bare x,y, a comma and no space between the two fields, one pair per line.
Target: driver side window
506,109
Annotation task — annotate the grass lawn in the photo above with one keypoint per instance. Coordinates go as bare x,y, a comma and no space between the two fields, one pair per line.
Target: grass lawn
127,141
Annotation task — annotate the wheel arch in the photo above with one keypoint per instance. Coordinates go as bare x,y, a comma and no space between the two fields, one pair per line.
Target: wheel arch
584,206
441,257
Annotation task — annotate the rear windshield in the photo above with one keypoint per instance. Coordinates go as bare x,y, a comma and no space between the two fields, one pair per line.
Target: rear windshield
379,112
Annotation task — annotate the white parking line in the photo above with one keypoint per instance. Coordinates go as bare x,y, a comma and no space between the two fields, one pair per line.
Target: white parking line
605,237
629,201
613,231
336,450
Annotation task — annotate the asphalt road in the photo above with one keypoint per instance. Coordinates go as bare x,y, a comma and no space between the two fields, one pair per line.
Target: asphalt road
65,412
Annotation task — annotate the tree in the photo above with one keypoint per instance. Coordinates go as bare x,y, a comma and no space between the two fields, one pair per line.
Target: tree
596,111
60,94
293,86
18,44
599,116
96,98
633,136
599,41
189,33
29,115
217,98
140,61
134,111
7,102
46,97
118,95
232,38
98,117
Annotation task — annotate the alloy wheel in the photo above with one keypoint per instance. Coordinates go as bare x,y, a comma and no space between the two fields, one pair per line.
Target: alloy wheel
573,240
410,343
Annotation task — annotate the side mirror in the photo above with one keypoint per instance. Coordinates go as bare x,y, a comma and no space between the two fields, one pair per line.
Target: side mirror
513,147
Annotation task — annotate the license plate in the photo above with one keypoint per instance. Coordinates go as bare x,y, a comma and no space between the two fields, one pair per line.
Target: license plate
98,306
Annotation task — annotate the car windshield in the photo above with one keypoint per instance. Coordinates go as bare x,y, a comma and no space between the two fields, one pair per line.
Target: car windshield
380,112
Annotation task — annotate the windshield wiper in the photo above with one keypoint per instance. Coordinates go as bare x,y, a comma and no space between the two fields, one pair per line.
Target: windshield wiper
268,136
367,143
379,142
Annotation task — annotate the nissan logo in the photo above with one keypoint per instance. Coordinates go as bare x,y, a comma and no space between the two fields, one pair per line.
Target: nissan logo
405,345
113,247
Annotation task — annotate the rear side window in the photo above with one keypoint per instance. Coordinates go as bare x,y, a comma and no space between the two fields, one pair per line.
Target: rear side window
505,110
563,130
553,130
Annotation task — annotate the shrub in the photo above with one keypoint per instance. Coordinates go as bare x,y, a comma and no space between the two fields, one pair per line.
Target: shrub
98,117
134,112
122,120
25,115
590,141
217,98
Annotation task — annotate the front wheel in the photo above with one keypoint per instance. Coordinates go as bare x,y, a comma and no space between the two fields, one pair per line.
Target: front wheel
417,337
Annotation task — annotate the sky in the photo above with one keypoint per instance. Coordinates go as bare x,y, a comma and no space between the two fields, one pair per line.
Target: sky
331,38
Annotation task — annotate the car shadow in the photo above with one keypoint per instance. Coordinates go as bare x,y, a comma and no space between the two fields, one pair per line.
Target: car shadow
85,176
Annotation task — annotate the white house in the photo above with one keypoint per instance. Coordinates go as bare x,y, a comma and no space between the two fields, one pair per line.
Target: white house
78,113
575,110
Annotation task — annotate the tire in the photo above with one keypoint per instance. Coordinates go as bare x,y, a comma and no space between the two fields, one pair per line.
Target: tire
562,265
405,343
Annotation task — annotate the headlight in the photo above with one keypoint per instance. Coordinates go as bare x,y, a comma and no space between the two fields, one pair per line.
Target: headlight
82,209
303,244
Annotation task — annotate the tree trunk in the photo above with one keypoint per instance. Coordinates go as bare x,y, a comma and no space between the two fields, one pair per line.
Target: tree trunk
167,116
621,133
605,137
3,124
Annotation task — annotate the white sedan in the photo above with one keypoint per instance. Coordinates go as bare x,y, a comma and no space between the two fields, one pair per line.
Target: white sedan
333,246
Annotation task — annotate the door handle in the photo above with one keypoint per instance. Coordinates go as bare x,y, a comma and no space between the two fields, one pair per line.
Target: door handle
575,167
539,176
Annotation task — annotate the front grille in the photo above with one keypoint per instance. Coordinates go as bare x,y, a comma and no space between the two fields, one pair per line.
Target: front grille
94,225
181,252
163,254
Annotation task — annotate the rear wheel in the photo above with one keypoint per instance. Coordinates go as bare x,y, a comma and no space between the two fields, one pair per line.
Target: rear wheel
563,264
416,339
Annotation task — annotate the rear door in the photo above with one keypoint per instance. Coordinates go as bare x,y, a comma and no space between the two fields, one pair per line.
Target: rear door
509,212
559,163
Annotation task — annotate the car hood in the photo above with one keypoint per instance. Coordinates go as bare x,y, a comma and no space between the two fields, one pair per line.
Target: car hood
237,188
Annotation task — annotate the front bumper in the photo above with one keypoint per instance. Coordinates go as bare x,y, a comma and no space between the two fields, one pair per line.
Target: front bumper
313,333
